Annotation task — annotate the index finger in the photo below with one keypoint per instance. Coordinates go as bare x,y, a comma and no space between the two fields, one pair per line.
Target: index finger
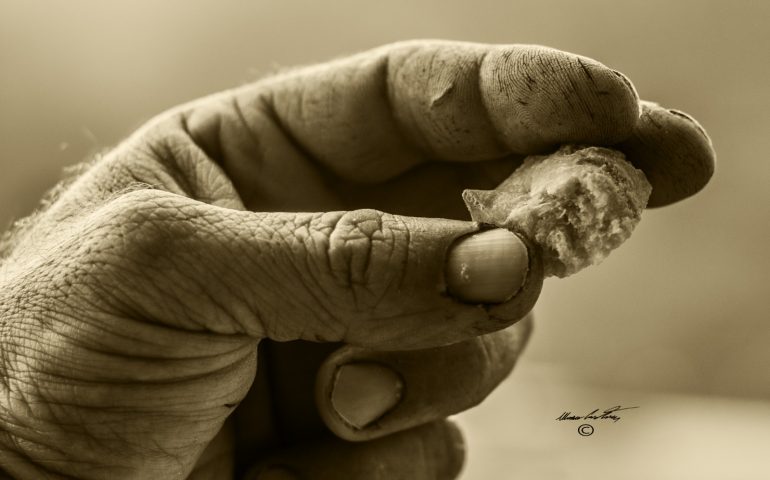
372,116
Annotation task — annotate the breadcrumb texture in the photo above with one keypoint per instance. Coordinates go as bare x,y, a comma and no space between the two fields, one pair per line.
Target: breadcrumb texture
577,204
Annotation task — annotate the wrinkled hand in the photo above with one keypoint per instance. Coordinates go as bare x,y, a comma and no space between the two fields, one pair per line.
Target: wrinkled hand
131,308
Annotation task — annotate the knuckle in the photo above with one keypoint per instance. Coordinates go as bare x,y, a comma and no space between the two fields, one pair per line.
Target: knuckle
140,223
131,238
367,250
142,255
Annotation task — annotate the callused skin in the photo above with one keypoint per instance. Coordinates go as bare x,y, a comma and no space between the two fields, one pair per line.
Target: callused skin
132,307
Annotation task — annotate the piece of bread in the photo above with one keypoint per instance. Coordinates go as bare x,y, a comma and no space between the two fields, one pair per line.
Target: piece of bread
576,204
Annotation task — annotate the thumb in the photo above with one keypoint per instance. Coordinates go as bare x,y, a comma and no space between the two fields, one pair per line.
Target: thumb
363,277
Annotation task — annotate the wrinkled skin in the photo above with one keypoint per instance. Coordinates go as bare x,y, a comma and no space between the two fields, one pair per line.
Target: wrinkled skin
132,308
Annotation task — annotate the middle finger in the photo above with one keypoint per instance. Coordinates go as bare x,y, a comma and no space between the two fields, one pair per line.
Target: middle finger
363,394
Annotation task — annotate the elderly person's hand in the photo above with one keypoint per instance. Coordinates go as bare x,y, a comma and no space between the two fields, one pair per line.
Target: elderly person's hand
145,313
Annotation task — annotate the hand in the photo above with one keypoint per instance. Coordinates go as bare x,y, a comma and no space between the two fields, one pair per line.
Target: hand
132,307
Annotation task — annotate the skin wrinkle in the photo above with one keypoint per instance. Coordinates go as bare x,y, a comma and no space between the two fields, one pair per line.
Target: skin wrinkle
416,135
172,371
154,300
268,107
185,162
509,89
328,317
259,157
426,312
359,272
237,310
82,425
166,179
442,96
18,451
253,274
213,151
311,245
369,236
586,71
476,139
400,280
268,104
190,145
113,349
583,102
497,136
247,164
386,239
559,79
250,275
387,86
153,235
124,278
113,265
225,310
340,255
318,302
275,248
65,391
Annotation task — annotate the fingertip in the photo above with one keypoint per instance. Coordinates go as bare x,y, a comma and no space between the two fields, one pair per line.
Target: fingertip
674,152
540,97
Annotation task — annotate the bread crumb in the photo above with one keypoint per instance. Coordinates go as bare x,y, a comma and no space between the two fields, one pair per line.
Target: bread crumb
577,204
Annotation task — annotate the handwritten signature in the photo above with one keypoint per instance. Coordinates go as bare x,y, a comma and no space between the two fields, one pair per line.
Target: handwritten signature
597,414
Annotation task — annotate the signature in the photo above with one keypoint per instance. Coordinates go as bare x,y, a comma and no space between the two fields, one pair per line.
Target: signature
597,414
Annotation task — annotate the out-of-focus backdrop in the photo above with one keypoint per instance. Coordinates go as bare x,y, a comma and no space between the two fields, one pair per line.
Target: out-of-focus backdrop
675,321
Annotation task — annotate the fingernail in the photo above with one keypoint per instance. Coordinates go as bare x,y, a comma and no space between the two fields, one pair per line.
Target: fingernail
487,267
364,392
276,472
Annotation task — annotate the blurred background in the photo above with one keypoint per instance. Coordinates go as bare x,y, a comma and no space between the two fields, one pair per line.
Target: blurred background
674,322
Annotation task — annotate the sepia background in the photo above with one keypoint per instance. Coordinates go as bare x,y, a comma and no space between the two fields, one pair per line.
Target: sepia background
674,322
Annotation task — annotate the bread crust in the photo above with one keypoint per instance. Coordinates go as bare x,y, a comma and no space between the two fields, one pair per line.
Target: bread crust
576,204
